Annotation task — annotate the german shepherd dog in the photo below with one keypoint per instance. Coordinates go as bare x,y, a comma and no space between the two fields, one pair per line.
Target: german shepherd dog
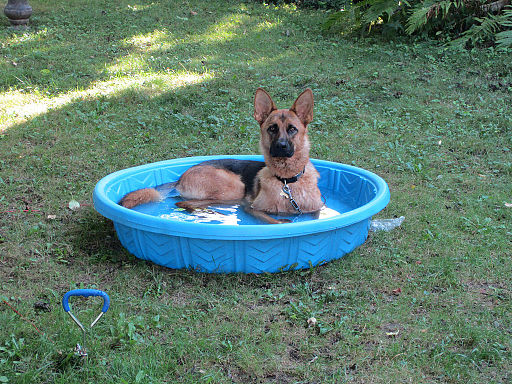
285,183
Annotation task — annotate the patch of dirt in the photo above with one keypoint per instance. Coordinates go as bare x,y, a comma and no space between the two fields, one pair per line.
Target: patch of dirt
42,306
486,293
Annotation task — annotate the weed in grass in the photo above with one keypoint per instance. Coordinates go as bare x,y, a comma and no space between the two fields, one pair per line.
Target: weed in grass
128,331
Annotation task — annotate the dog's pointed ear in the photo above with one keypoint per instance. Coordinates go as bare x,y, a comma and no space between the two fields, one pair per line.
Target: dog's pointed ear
303,106
263,105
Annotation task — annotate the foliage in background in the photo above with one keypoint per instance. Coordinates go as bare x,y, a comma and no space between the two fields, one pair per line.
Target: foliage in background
490,28
315,4
463,22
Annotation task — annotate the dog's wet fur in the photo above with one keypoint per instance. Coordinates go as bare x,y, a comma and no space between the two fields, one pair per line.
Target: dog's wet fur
257,185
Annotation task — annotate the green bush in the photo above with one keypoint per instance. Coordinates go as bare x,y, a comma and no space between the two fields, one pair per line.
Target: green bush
460,22
315,4
491,28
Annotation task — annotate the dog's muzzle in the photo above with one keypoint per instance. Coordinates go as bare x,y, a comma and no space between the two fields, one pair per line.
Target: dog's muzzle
281,148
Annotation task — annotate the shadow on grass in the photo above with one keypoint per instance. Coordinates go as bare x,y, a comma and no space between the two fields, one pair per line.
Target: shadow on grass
72,46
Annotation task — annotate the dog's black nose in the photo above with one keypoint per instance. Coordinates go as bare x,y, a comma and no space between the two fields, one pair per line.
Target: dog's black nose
282,143
281,148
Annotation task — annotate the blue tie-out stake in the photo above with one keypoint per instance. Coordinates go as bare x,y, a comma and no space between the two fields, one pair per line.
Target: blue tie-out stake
80,349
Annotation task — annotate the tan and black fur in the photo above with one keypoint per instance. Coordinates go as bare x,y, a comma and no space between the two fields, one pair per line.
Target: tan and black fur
285,146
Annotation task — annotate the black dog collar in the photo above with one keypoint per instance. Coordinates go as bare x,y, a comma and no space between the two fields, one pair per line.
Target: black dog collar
291,179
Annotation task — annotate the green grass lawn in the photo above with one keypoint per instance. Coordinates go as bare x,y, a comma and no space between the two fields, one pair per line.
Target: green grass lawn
97,86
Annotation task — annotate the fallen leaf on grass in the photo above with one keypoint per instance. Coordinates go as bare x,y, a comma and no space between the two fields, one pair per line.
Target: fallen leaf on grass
74,205
393,334
312,322
397,291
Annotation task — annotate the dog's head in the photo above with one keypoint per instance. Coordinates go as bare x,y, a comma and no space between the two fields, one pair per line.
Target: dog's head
283,131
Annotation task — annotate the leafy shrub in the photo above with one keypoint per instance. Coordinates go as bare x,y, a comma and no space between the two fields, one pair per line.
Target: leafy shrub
463,22
489,28
368,15
317,4
327,4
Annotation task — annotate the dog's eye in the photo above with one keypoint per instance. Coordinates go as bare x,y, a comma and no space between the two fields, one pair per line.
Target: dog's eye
273,128
291,130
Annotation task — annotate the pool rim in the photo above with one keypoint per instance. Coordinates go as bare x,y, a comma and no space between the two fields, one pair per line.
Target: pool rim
118,214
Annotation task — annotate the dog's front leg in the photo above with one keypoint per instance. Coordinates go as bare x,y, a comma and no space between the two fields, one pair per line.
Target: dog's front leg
194,205
264,216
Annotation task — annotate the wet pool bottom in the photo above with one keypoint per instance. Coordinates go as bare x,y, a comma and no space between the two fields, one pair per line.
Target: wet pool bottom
235,215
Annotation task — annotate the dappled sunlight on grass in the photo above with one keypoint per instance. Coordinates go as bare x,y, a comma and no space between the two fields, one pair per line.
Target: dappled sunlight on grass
25,37
17,107
152,41
137,7
266,26
153,63
162,51
235,26
228,28
14,105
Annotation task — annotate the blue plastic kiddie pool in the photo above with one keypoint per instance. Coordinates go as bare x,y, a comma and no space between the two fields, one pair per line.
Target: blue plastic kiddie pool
251,248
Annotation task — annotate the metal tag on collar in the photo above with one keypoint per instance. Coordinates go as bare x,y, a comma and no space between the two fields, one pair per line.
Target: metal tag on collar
288,192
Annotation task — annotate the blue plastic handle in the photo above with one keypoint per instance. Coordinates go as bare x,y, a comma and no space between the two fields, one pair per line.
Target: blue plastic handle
86,293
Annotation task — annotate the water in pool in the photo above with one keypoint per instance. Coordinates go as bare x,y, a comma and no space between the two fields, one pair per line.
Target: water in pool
234,214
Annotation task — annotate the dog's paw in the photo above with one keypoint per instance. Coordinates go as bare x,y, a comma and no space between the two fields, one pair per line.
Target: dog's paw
284,221
192,206
184,205
141,196
128,203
